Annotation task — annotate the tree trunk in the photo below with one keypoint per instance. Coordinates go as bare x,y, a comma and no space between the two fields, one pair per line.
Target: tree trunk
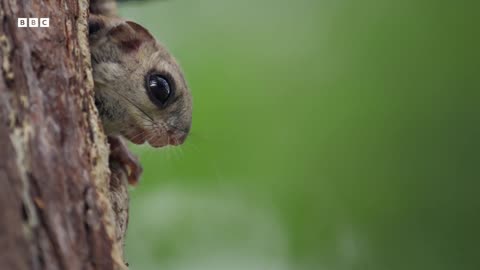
59,209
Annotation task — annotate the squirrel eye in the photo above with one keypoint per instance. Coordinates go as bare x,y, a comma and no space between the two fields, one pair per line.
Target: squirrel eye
158,88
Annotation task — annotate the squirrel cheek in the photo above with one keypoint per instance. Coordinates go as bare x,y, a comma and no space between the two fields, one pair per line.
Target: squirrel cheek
106,72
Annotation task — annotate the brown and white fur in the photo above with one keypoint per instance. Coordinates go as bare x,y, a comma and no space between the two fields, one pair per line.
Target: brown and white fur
123,54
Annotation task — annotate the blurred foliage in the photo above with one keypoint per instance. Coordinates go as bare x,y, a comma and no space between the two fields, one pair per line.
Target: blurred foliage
326,135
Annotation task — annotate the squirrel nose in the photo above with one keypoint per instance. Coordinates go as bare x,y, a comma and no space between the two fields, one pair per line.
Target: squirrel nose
176,138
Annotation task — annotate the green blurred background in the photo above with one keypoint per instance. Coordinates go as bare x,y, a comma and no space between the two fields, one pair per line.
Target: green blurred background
337,134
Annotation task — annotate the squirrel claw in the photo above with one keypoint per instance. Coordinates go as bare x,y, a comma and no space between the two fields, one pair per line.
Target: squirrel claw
120,153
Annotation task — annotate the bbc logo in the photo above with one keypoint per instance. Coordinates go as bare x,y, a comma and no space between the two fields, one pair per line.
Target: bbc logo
33,22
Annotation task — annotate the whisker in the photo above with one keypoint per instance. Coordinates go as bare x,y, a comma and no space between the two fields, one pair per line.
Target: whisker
137,135
174,128
133,104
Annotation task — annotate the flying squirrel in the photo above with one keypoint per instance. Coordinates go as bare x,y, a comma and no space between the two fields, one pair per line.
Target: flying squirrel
140,91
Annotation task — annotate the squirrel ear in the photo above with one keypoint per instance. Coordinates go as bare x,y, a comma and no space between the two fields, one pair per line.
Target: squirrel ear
140,32
129,36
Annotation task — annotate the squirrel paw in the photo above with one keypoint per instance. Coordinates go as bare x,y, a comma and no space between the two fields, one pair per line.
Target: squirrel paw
119,153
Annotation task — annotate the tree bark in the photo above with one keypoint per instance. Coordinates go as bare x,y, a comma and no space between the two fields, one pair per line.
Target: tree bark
59,209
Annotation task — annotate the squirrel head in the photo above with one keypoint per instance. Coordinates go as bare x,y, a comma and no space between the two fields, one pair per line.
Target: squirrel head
140,90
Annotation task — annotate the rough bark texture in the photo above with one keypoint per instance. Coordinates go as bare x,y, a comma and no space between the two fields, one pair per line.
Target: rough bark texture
58,207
